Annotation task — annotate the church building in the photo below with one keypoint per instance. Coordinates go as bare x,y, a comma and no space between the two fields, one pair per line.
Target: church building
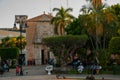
38,27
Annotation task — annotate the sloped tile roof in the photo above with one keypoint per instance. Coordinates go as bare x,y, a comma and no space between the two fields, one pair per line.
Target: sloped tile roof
40,18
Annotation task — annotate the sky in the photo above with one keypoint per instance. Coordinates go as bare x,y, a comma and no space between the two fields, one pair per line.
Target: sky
33,8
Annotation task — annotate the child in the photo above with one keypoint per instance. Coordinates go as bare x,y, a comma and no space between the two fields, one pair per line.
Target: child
17,70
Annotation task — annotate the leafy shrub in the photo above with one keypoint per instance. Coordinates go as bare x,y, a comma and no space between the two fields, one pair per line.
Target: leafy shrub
9,53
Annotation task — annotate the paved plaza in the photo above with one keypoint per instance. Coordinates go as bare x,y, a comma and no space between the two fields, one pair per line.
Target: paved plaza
39,73
30,73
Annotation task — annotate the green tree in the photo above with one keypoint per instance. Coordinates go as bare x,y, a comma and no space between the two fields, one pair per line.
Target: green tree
13,42
115,9
21,42
114,47
100,21
64,47
77,26
62,19
5,42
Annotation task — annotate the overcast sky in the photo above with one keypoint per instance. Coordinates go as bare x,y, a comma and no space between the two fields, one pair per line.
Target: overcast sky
32,8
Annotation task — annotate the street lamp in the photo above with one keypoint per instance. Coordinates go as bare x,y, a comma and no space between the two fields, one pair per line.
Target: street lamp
21,20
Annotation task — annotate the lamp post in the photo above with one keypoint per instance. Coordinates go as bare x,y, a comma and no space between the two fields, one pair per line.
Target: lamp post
21,20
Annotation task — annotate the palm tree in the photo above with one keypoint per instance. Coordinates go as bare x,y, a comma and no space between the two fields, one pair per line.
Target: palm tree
61,19
98,24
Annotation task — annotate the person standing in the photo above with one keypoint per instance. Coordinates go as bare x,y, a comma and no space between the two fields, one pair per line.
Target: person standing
17,70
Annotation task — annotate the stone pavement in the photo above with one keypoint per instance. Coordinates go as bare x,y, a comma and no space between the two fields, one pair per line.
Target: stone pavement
39,73
108,77
30,73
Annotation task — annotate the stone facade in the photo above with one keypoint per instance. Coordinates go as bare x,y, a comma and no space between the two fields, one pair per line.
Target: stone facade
38,28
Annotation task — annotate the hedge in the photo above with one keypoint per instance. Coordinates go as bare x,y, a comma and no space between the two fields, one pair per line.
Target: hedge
9,53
